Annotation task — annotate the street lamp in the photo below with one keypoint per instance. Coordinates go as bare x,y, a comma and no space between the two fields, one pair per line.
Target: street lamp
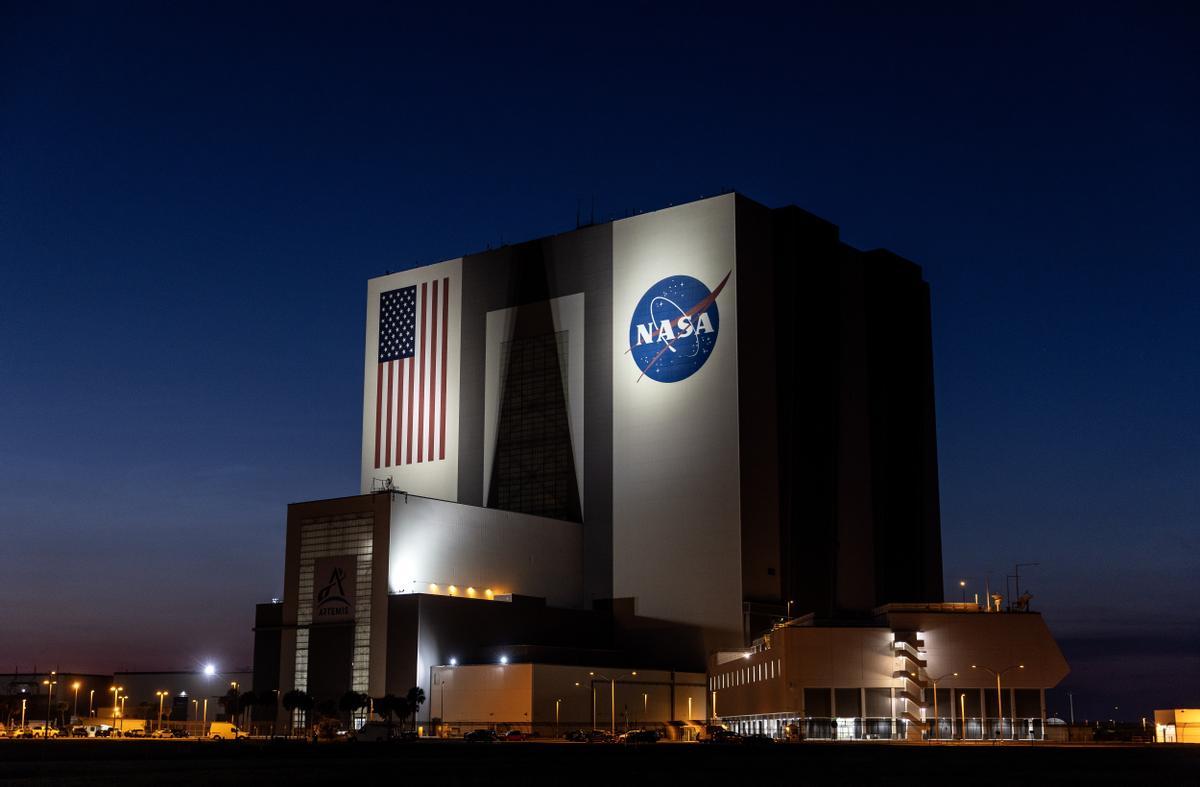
557,703
962,585
934,681
75,710
999,696
160,695
116,690
91,697
612,696
49,684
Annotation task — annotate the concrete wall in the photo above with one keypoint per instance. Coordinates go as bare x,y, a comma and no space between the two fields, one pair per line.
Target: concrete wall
525,696
436,542
676,496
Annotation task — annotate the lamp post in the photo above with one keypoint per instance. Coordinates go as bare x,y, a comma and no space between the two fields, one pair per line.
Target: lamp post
612,697
204,718
91,697
999,696
75,710
49,684
23,713
962,585
645,706
116,690
557,703
160,695
962,713
123,698
934,681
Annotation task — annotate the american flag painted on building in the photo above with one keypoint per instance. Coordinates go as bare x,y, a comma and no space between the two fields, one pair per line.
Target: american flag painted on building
410,398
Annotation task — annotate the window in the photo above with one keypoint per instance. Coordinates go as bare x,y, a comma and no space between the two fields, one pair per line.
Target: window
534,468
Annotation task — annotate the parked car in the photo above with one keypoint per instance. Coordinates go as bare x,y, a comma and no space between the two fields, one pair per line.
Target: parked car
638,736
135,732
179,733
576,736
515,735
481,736
103,731
224,731
757,740
719,735
40,731
163,732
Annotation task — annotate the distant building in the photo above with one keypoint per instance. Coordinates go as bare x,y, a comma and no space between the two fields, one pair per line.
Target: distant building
630,445
875,677
1177,725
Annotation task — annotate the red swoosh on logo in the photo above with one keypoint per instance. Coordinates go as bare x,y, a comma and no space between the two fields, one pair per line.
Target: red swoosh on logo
699,307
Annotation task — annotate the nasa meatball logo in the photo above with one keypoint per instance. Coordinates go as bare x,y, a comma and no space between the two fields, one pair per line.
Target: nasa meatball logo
674,328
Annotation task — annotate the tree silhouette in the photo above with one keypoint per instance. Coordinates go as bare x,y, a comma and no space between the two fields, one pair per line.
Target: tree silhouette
351,702
296,700
415,698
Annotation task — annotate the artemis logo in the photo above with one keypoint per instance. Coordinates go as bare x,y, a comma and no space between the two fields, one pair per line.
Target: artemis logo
674,328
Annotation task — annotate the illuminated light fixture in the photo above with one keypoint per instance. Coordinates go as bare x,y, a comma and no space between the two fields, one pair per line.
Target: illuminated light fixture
488,592
452,590
453,662
210,670
634,673
746,655
433,588
504,659
470,591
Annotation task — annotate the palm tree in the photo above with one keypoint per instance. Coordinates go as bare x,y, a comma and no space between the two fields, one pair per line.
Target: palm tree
296,700
268,698
385,706
415,698
352,702
246,703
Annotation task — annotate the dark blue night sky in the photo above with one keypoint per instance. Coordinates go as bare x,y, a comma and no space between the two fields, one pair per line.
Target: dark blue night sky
192,197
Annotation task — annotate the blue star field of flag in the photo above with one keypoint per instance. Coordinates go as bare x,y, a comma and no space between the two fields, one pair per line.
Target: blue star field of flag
397,323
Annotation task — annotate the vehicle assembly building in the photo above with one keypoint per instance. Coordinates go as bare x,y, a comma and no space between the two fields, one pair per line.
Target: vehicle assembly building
629,446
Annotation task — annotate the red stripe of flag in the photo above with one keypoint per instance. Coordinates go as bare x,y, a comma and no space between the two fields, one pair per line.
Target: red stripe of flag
445,334
421,382
433,322
388,437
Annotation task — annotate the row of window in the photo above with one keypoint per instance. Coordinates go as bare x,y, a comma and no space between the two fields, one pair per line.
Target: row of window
767,670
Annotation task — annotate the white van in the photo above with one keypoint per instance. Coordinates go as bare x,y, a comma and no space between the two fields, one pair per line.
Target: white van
224,731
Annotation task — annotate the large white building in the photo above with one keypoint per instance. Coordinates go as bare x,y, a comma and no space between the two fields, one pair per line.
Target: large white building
630,445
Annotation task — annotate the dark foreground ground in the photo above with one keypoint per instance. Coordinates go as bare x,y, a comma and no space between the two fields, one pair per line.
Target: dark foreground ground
130,763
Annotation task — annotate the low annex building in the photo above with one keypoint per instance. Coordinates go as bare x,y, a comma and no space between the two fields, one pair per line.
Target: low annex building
946,671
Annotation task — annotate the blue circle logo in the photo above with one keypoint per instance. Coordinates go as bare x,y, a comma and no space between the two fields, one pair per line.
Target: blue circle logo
674,328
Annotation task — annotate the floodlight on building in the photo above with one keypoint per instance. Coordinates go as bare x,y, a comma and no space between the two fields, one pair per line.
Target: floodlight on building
433,588
210,670
453,662
488,592
471,592
452,590
504,659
